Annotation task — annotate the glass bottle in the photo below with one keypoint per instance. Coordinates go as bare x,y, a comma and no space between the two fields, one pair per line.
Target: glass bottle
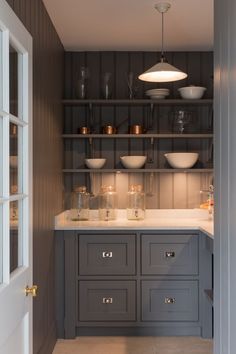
79,204
107,203
82,83
136,203
107,86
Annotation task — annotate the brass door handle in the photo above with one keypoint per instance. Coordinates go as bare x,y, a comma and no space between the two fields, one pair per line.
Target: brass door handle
31,291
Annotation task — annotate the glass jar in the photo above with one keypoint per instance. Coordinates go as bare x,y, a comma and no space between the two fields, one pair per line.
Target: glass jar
79,204
136,202
107,203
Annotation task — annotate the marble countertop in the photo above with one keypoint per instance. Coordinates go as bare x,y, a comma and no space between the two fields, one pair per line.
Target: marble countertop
155,219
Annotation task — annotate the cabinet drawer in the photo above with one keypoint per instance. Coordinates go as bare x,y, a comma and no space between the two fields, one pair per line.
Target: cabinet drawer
170,254
107,301
170,300
107,254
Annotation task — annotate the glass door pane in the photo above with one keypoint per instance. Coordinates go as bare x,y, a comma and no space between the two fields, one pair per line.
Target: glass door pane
14,236
13,68
14,163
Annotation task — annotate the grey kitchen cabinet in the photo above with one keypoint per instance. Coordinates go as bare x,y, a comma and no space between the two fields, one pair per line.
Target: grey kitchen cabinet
169,300
108,254
133,283
169,255
107,300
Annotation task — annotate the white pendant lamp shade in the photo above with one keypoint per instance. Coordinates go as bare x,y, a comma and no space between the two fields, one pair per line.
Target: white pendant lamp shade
162,72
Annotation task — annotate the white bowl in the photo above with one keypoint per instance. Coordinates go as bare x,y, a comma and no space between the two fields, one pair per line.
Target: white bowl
192,92
158,97
133,161
182,159
95,163
157,93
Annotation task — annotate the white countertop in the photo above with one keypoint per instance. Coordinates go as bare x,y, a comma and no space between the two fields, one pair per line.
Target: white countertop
156,219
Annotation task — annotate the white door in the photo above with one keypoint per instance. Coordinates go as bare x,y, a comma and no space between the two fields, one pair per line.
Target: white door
15,184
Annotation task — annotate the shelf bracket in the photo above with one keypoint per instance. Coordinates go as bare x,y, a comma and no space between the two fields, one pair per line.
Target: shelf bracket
151,151
150,117
150,185
91,117
211,119
91,147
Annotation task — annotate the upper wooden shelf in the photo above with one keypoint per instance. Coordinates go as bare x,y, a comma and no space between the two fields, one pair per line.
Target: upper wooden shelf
135,136
135,102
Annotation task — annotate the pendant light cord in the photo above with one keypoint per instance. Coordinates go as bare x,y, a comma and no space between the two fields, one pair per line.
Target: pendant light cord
162,37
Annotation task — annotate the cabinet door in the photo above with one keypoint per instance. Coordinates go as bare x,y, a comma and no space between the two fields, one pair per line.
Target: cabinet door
170,254
107,301
169,300
107,254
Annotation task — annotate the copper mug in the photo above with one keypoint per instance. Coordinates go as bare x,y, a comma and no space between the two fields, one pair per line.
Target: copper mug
136,129
84,130
109,129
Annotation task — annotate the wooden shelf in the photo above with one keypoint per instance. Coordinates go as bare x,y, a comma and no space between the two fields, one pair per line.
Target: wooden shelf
138,136
134,170
135,102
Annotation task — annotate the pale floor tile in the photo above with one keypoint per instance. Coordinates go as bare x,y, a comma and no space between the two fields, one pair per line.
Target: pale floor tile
134,345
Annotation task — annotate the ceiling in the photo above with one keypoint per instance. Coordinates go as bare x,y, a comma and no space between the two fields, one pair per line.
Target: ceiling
91,25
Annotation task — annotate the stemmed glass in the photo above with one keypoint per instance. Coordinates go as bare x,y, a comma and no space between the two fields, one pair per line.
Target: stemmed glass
130,79
181,118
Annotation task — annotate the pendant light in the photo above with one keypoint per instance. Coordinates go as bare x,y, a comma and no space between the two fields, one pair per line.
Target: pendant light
162,71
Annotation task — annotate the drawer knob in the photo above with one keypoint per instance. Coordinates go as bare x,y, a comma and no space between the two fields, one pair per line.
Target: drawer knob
106,254
107,300
169,300
170,254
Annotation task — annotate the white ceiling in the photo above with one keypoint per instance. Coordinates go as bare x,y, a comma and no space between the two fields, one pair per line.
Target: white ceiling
132,24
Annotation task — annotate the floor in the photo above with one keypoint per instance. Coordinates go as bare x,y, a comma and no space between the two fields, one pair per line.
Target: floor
134,345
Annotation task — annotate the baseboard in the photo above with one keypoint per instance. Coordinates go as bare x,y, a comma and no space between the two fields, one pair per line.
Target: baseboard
49,342
138,331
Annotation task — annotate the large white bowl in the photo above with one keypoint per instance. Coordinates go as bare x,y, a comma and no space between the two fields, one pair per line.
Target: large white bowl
95,163
133,161
192,92
182,159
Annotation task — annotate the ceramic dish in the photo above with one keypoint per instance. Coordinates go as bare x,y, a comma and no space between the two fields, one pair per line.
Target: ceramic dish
95,163
133,161
192,92
182,159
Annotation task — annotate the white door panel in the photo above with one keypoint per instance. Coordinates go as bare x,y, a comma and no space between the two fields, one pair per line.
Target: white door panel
15,184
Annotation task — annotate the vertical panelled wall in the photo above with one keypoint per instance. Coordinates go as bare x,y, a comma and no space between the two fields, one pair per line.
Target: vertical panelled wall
167,190
47,152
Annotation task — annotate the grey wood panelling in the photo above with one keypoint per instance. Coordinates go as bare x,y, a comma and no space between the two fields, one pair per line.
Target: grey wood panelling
169,190
47,151
225,177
